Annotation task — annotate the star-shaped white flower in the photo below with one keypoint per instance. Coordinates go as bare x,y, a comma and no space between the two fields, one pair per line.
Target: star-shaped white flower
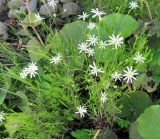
133,5
103,97
90,52
95,70
24,73
91,25
129,75
92,39
31,70
97,13
116,76
38,18
81,110
52,3
2,116
83,47
115,40
56,59
83,16
102,44
139,58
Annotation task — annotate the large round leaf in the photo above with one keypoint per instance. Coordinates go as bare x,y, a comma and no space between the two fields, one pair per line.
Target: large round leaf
74,32
134,104
118,24
149,123
147,126
133,132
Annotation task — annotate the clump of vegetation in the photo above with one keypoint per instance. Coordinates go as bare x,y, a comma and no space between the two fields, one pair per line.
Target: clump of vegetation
95,77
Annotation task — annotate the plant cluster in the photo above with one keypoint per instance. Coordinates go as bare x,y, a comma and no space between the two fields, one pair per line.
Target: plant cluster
86,80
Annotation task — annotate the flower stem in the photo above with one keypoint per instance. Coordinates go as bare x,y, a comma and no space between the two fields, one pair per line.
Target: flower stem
35,31
149,11
95,136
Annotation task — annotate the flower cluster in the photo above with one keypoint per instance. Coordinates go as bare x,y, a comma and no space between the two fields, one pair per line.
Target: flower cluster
129,74
96,13
87,47
31,70
93,40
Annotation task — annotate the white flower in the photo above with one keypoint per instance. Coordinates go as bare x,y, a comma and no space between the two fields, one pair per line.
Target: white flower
92,39
56,59
117,76
24,73
129,74
31,70
102,44
97,13
83,47
103,97
91,25
115,40
52,3
133,5
65,10
83,16
81,110
90,52
95,70
38,17
139,58
1,116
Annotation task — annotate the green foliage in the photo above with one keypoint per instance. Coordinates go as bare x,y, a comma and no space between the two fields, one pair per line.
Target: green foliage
123,123
117,23
145,82
81,134
133,104
133,132
151,116
107,134
154,68
16,121
4,86
45,106
73,32
36,50
32,20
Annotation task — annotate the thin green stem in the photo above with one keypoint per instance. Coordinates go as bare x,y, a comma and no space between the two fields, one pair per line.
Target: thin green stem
35,31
